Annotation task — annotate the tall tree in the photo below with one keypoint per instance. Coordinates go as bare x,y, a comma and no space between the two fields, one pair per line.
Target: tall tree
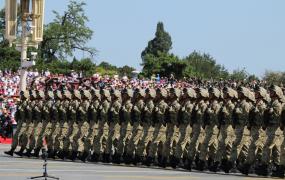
67,33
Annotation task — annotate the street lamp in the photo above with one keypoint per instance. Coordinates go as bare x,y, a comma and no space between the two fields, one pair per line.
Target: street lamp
32,19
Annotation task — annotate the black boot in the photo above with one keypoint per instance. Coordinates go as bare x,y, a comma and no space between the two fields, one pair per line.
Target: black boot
36,153
137,160
149,161
28,153
262,170
11,152
201,165
278,171
83,156
214,167
60,154
20,152
163,163
116,158
50,153
226,165
74,155
95,157
244,169
188,164
106,158
174,162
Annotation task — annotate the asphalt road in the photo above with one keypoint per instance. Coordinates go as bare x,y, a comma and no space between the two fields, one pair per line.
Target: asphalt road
15,168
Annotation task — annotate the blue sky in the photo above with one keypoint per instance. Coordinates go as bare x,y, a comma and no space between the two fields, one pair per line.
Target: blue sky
241,33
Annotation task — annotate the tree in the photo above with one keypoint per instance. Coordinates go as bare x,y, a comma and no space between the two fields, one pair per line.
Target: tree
67,33
273,77
204,66
239,74
126,71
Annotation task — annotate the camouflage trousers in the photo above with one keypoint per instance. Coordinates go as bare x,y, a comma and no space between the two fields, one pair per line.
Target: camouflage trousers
197,136
272,148
51,138
159,138
257,142
81,137
183,140
36,135
92,134
125,137
209,146
282,153
172,138
100,141
241,144
225,142
62,136
143,147
46,131
113,139
21,127
27,135
137,135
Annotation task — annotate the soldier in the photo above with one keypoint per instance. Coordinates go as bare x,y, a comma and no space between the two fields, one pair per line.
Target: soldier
73,129
272,147
126,124
211,121
83,125
114,126
143,147
159,136
30,123
38,122
197,124
257,133
93,116
64,116
21,118
172,132
56,124
187,105
100,141
241,122
226,135
47,123
138,130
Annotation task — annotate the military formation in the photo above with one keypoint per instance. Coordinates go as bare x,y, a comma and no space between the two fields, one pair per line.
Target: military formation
215,129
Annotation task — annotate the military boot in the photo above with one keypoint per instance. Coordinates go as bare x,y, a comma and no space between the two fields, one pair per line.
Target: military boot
51,153
278,171
83,156
188,164
244,169
95,157
116,158
138,160
36,152
148,161
200,165
214,167
262,170
28,153
174,162
226,165
11,152
73,155
20,152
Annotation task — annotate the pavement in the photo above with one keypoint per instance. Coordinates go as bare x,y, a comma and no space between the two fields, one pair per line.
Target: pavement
16,168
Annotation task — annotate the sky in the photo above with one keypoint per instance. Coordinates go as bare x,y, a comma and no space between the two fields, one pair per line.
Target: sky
238,34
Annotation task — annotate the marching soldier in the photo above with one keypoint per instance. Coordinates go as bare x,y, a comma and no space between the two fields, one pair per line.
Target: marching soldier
187,105
143,147
21,118
159,137
172,133
100,141
138,129
197,124
83,124
126,124
211,121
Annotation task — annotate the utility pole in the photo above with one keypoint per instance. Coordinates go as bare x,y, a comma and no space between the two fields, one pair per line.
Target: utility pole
32,31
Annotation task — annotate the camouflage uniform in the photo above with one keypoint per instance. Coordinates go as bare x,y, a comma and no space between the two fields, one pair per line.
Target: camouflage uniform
144,143
272,147
209,145
47,124
185,129
138,129
83,124
114,125
56,124
198,132
159,136
100,141
21,115
172,132
241,122
227,135
93,116
64,115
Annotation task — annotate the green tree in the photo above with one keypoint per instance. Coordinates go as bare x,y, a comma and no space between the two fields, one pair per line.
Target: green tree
273,77
239,74
204,66
126,71
67,33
